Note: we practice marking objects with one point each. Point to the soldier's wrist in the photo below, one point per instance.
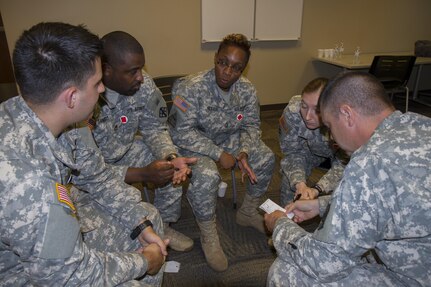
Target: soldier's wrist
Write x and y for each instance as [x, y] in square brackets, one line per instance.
[319, 189]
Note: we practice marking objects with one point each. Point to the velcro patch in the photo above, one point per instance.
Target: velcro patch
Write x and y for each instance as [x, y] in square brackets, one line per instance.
[181, 103]
[63, 196]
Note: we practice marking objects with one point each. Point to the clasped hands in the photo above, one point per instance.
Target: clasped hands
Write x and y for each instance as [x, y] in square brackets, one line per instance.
[153, 248]
[228, 161]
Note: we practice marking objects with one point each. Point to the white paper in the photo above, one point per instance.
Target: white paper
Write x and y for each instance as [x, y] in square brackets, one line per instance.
[270, 206]
[172, 267]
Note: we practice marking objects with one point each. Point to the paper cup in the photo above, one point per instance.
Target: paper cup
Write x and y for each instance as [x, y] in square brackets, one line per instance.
[222, 189]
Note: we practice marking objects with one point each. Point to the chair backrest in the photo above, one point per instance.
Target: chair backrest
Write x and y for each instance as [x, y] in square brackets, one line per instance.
[165, 83]
[392, 71]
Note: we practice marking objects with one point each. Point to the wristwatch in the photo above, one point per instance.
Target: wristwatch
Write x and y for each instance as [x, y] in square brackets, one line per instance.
[171, 156]
[319, 189]
[138, 229]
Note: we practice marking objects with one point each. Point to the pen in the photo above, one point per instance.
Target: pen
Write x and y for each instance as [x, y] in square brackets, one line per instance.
[297, 197]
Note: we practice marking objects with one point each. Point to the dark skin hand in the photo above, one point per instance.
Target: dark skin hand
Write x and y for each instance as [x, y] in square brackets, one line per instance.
[228, 161]
[158, 172]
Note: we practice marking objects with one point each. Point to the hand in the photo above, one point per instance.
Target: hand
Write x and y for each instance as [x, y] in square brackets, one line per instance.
[148, 236]
[227, 161]
[182, 169]
[305, 191]
[159, 172]
[303, 209]
[154, 256]
[271, 218]
[245, 168]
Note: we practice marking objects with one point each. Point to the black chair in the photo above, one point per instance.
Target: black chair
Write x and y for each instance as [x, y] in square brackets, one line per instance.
[394, 73]
[165, 83]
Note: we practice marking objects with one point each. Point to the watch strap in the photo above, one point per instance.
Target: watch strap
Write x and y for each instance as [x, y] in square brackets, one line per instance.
[138, 229]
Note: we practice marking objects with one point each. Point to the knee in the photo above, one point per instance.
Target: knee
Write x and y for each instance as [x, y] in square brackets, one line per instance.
[153, 215]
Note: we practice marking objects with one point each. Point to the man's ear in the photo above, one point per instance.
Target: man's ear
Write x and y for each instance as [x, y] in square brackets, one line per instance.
[215, 58]
[107, 69]
[70, 97]
[347, 115]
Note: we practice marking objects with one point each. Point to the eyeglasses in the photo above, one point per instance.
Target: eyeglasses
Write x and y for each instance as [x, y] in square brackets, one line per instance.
[224, 64]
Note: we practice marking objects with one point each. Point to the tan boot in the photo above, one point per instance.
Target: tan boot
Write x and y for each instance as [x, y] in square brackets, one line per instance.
[214, 254]
[177, 240]
[248, 215]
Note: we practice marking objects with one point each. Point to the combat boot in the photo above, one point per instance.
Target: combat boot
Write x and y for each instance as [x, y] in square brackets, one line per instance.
[214, 254]
[248, 215]
[177, 240]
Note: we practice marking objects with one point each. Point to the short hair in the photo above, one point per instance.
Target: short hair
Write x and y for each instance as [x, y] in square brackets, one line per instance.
[116, 44]
[315, 85]
[51, 56]
[238, 40]
[360, 90]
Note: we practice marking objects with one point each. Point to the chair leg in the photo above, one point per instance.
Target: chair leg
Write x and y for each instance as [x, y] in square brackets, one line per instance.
[407, 99]
[147, 197]
[232, 171]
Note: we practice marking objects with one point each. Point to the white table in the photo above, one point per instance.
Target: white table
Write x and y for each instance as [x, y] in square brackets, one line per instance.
[347, 62]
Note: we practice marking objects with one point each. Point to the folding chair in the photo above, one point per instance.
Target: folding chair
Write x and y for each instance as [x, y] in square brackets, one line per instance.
[394, 73]
[165, 83]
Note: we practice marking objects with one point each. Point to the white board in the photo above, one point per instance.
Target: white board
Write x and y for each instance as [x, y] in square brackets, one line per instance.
[278, 20]
[223, 17]
[259, 20]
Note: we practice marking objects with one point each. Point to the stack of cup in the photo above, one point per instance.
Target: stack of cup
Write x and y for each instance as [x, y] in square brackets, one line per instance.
[326, 53]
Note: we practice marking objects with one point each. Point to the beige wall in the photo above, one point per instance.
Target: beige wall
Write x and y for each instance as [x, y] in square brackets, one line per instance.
[170, 33]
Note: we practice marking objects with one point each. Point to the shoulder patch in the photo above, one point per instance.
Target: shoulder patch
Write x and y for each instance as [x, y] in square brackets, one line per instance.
[282, 123]
[181, 103]
[63, 196]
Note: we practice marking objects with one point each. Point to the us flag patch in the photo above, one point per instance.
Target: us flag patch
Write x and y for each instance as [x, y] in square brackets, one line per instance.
[63, 196]
[181, 103]
[283, 123]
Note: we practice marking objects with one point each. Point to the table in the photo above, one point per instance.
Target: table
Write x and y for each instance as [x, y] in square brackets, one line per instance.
[347, 62]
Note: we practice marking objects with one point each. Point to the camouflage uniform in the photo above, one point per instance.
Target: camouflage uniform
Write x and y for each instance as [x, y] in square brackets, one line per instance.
[303, 150]
[50, 236]
[383, 203]
[204, 125]
[119, 121]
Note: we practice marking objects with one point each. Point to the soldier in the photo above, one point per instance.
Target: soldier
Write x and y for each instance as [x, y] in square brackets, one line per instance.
[305, 145]
[215, 117]
[131, 104]
[382, 202]
[48, 238]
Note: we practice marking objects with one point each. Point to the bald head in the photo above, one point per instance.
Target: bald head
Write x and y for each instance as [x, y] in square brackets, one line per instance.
[118, 43]
[361, 91]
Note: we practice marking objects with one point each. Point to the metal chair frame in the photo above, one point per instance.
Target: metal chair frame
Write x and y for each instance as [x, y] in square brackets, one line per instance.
[393, 72]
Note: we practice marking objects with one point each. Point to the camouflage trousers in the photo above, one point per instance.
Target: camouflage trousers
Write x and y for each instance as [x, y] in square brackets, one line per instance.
[284, 272]
[202, 192]
[111, 236]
